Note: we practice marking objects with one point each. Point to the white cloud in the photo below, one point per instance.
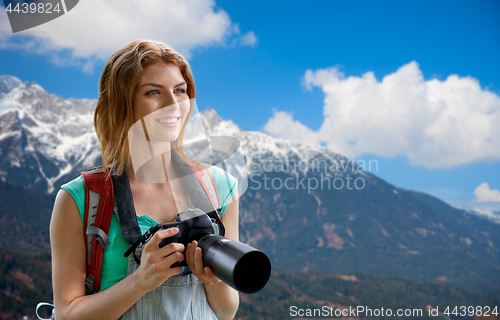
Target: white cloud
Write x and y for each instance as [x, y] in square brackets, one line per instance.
[483, 193]
[282, 124]
[249, 39]
[436, 124]
[95, 29]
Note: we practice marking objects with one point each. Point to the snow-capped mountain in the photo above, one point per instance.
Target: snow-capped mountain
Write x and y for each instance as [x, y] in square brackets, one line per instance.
[43, 137]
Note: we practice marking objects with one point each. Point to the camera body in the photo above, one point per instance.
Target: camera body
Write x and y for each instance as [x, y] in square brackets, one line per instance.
[239, 265]
[193, 224]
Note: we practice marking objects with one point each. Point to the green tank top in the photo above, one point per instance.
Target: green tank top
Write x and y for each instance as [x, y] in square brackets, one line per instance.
[114, 264]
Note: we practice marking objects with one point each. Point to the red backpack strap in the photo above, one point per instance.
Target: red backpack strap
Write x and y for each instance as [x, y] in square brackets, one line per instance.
[96, 222]
[208, 185]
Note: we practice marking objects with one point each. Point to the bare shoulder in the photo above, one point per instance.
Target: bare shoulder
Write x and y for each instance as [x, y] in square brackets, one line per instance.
[66, 226]
[65, 211]
[68, 250]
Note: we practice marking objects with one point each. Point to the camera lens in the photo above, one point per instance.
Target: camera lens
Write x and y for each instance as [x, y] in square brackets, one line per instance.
[237, 264]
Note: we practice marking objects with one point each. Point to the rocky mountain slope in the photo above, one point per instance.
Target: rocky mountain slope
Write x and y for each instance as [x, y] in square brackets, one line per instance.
[44, 139]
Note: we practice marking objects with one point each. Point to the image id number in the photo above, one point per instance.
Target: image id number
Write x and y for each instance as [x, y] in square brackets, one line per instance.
[471, 311]
[33, 7]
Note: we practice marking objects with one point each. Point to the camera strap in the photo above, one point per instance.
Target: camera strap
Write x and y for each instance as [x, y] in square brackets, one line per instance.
[142, 239]
[126, 210]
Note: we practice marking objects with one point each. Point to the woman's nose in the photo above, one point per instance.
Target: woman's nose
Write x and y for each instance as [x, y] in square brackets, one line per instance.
[171, 101]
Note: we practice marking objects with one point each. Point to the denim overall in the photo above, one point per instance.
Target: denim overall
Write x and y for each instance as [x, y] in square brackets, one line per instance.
[178, 298]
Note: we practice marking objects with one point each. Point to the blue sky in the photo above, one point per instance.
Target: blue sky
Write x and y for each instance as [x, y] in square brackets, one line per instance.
[251, 67]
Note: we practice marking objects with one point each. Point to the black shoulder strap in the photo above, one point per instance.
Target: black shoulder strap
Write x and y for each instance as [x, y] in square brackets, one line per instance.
[126, 210]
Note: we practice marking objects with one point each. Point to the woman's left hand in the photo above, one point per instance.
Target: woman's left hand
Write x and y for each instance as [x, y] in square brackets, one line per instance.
[194, 260]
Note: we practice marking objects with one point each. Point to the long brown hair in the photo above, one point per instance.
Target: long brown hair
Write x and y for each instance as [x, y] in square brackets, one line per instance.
[114, 112]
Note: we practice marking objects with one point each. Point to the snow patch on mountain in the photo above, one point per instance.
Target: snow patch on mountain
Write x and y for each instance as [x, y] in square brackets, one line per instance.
[43, 132]
[486, 210]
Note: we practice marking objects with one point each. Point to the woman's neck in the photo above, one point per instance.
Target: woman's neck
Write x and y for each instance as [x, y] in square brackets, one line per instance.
[155, 166]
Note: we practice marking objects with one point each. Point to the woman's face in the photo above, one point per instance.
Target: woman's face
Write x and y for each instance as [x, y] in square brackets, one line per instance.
[161, 100]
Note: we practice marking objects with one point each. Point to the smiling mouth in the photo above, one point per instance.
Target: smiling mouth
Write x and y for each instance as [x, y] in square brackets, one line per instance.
[169, 120]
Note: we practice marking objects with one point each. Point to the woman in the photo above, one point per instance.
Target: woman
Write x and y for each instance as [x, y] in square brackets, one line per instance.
[138, 80]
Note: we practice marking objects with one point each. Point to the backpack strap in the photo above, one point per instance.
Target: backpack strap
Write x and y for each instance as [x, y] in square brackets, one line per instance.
[96, 222]
[208, 184]
[201, 190]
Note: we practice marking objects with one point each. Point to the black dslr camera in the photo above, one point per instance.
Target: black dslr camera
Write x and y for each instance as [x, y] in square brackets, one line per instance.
[242, 267]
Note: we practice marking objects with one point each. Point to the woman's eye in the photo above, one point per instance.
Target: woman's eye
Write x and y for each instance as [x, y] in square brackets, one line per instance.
[152, 92]
[180, 91]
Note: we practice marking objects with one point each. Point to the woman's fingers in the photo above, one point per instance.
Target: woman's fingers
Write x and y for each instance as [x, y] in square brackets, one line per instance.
[156, 262]
[167, 262]
[194, 259]
[161, 259]
[212, 278]
[155, 240]
[152, 246]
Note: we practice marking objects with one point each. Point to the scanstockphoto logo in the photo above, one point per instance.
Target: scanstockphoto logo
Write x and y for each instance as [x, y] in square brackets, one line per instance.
[24, 15]
[309, 174]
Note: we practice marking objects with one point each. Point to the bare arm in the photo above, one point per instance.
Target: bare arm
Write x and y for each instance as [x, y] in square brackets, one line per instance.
[69, 268]
[223, 299]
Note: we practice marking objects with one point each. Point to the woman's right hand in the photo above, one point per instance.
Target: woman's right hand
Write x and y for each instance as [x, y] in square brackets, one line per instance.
[155, 267]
